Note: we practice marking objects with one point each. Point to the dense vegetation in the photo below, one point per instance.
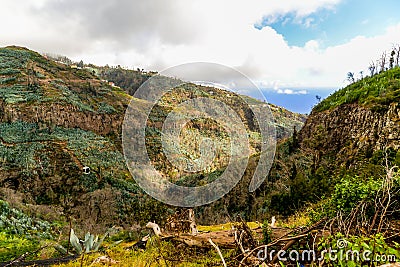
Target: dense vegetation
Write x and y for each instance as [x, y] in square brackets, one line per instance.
[20, 233]
[28, 77]
[128, 79]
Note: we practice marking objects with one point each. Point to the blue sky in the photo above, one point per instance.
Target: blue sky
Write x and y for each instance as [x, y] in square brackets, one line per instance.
[337, 25]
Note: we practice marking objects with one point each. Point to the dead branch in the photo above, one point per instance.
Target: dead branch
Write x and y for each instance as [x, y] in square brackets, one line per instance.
[291, 240]
[219, 251]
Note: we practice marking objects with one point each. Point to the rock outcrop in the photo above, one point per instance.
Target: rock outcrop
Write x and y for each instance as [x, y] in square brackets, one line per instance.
[351, 128]
[62, 115]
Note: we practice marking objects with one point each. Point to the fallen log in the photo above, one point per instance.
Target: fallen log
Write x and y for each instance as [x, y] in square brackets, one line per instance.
[224, 239]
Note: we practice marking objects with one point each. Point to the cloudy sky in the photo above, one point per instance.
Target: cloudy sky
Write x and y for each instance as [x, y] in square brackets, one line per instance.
[280, 44]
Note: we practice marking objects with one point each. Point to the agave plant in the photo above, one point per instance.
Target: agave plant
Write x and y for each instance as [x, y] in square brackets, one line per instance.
[91, 243]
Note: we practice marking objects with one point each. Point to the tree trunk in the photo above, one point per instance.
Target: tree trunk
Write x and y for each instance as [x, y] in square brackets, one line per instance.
[193, 226]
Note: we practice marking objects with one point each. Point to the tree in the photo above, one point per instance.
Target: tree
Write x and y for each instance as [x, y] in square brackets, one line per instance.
[350, 77]
[318, 97]
[391, 60]
[80, 64]
[397, 54]
[382, 62]
[372, 68]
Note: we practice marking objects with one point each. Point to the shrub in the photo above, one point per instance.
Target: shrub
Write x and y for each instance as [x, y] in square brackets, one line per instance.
[15, 222]
[12, 246]
[358, 250]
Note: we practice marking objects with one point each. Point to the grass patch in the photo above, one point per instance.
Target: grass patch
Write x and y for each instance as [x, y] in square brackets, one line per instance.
[374, 92]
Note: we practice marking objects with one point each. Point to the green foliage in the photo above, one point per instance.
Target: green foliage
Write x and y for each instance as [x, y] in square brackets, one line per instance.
[15, 222]
[32, 156]
[91, 243]
[390, 155]
[23, 69]
[106, 108]
[92, 150]
[375, 92]
[12, 246]
[350, 191]
[7, 80]
[358, 250]
[266, 232]
[17, 93]
[71, 97]
[130, 80]
[9, 71]
[302, 188]
[20, 233]
[21, 156]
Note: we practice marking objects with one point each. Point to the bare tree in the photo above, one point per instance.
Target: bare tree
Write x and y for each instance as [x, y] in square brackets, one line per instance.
[382, 62]
[397, 55]
[391, 60]
[372, 68]
[350, 77]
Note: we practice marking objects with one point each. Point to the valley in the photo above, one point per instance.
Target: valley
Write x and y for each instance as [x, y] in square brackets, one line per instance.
[334, 175]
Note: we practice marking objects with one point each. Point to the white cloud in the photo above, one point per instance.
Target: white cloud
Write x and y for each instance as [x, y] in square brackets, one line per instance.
[291, 92]
[156, 34]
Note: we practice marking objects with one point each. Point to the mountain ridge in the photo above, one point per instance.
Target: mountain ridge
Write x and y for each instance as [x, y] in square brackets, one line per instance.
[55, 119]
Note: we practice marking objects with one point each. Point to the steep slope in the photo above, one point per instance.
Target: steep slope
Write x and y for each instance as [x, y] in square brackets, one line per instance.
[131, 80]
[355, 131]
[358, 120]
[57, 119]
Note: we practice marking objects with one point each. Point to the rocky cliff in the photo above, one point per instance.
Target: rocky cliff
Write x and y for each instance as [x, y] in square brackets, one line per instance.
[350, 129]
[358, 120]
[353, 132]
[63, 115]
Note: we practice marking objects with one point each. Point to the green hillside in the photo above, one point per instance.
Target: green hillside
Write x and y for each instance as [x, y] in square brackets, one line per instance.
[376, 92]
[57, 119]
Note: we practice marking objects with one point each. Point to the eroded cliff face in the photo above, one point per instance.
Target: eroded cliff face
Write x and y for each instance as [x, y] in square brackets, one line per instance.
[62, 115]
[350, 129]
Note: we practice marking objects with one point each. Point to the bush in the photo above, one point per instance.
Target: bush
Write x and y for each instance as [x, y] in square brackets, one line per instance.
[12, 246]
[15, 222]
[358, 250]
[348, 193]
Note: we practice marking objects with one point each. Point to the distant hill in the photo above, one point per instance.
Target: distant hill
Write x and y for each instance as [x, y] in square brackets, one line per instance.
[130, 81]
[56, 119]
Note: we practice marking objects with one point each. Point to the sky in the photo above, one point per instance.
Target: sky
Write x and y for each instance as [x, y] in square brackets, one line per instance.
[287, 47]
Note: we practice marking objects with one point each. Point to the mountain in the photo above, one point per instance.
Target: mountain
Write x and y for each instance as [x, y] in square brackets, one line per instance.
[56, 120]
[359, 120]
[353, 132]
[131, 80]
